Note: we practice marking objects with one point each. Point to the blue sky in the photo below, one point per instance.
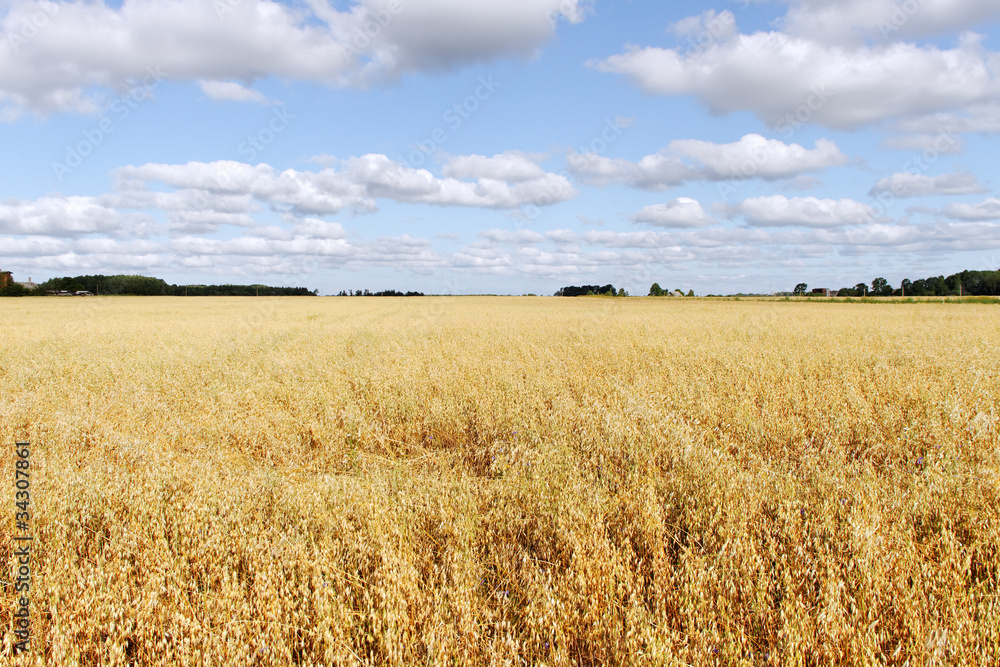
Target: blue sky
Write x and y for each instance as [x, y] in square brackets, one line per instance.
[488, 146]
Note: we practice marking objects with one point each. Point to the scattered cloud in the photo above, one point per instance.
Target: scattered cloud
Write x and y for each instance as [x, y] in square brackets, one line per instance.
[707, 27]
[520, 237]
[298, 252]
[231, 91]
[319, 229]
[788, 80]
[680, 212]
[512, 166]
[980, 118]
[859, 21]
[685, 160]
[654, 172]
[70, 217]
[755, 156]
[356, 183]
[988, 209]
[938, 144]
[781, 211]
[922, 185]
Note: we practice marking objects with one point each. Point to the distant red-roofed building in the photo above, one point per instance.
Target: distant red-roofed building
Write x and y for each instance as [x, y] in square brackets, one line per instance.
[6, 278]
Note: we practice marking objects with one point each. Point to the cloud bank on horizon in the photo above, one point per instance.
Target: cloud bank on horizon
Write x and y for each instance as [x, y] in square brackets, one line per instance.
[505, 147]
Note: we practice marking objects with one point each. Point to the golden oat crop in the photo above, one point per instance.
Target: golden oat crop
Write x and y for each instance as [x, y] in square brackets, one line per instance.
[504, 481]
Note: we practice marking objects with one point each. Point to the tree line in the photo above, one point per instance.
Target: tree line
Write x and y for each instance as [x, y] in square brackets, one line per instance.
[590, 290]
[389, 292]
[966, 283]
[122, 285]
[656, 290]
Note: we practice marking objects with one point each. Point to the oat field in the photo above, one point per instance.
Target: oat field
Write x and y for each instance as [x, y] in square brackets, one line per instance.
[504, 481]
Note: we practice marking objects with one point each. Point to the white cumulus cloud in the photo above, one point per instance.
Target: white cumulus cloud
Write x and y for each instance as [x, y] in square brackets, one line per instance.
[753, 156]
[781, 211]
[81, 51]
[70, 216]
[357, 182]
[787, 80]
[680, 212]
[652, 172]
[512, 166]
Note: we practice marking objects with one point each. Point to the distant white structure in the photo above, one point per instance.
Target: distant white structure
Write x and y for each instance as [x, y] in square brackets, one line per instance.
[28, 285]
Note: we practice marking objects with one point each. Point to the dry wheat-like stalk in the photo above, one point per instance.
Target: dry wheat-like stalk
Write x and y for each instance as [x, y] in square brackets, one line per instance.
[494, 481]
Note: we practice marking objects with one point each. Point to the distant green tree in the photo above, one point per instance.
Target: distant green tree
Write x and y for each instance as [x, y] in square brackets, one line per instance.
[861, 289]
[13, 289]
[587, 290]
[62, 284]
[938, 286]
[880, 287]
[800, 289]
[655, 290]
[690, 292]
[980, 283]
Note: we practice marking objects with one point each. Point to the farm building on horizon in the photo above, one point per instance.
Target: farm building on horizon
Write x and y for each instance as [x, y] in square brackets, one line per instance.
[7, 279]
[821, 291]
